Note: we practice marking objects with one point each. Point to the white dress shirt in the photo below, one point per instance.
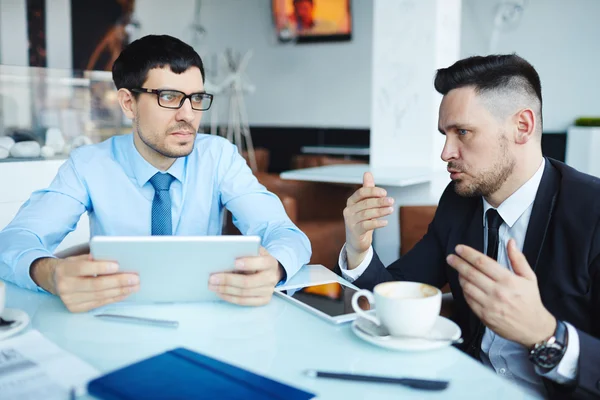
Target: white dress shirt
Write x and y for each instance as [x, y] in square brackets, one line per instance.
[508, 358]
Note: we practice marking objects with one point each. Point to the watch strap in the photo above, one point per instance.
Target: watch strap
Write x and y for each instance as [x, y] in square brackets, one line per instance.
[558, 339]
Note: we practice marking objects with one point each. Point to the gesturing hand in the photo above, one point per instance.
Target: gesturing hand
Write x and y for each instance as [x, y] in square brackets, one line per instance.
[507, 303]
[362, 215]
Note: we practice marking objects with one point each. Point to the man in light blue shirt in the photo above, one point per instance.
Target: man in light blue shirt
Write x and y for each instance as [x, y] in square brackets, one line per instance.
[163, 179]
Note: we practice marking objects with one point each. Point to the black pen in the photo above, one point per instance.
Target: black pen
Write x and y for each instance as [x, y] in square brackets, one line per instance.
[411, 382]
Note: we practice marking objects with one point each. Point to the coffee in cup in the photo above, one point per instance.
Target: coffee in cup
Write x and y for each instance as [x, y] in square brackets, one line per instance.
[404, 308]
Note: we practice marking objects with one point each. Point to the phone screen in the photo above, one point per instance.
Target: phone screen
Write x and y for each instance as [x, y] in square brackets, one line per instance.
[332, 299]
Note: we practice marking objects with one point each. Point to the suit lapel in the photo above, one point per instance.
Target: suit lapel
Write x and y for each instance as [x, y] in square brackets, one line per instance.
[541, 215]
[474, 238]
[474, 233]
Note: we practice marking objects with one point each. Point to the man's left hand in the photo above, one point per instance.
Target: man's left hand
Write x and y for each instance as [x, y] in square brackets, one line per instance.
[252, 283]
[507, 303]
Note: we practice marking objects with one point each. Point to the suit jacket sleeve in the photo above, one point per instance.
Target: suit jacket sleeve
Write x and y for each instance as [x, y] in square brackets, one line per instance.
[587, 383]
[426, 262]
[588, 377]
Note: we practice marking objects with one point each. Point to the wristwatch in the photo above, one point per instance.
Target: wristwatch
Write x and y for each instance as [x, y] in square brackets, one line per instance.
[548, 353]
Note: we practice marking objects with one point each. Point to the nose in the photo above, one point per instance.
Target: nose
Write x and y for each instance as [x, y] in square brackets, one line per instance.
[450, 150]
[185, 112]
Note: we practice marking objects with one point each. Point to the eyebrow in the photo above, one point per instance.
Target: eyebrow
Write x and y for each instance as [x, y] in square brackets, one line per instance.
[177, 90]
[455, 127]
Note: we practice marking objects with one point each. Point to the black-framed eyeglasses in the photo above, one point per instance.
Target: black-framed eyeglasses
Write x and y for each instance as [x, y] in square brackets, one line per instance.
[173, 99]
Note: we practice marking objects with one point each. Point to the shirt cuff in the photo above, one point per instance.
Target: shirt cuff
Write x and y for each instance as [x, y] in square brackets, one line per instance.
[287, 261]
[353, 274]
[23, 268]
[566, 371]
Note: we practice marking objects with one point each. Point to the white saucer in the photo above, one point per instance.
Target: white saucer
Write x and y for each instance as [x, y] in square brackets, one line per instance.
[13, 314]
[443, 327]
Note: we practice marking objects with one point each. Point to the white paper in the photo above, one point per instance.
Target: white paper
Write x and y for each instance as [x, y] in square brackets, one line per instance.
[32, 367]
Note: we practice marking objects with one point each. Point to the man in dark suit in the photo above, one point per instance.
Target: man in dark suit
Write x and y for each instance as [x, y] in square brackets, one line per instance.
[516, 235]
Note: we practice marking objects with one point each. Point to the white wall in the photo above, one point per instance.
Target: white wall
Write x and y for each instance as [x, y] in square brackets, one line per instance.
[329, 84]
[404, 136]
[560, 38]
[13, 38]
[58, 34]
[324, 85]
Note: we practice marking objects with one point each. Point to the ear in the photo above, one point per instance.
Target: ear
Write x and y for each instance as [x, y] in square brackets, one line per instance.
[526, 126]
[127, 103]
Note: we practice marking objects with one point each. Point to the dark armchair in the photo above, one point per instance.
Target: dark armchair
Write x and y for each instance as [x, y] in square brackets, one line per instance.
[316, 208]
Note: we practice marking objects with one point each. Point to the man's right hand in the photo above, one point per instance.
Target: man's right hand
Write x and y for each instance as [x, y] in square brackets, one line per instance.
[361, 216]
[82, 283]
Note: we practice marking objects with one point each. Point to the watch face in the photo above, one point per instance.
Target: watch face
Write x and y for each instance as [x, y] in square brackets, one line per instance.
[548, 356]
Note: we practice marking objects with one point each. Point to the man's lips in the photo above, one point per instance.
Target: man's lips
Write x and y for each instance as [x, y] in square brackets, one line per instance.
[454, 173]
[182, 133]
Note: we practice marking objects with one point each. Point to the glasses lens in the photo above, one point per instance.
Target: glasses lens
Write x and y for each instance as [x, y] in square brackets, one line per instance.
[201, 101]
[170, 99]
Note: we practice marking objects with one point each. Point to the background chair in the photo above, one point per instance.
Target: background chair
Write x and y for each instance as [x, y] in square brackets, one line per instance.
[414, 221]
[315, 207]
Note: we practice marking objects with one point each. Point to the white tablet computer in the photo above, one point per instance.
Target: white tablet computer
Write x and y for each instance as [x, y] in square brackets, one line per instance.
[173, 268]
[331, 301]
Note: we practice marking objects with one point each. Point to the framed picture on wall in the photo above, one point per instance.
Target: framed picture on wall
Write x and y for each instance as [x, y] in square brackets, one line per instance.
[309, 21]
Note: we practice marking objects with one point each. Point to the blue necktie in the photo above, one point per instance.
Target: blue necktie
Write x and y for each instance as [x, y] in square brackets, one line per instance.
[161, 205]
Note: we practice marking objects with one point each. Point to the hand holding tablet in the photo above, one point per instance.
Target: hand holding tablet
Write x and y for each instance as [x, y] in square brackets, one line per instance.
[82, 283]
[251, 283]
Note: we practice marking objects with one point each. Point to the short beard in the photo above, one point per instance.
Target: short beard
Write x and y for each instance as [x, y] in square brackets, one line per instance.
[163, 152]
[490, 181]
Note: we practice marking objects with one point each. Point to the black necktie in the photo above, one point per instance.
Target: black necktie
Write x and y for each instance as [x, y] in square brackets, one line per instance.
[494, 220]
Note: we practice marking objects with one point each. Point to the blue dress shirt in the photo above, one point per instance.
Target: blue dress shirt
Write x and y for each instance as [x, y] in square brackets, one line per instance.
[110, 181]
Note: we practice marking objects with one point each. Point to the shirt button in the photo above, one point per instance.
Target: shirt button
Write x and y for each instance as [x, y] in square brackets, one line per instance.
[502, 371]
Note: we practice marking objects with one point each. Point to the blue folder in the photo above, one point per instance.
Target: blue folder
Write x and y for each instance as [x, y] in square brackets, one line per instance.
[184, 374]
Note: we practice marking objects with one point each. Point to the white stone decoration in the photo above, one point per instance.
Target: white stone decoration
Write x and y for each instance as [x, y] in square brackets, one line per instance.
[6, 142]
[47, 151]
[26, 149]
[55, 140]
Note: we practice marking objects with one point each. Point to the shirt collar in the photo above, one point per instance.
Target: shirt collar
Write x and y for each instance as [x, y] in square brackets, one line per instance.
[515, 205]
[143, 170]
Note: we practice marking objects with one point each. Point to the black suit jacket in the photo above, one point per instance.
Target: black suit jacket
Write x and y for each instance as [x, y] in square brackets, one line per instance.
[562, 245]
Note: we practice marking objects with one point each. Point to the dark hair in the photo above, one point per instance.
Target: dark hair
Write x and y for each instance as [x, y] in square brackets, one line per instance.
[507, 71]
[130, 69]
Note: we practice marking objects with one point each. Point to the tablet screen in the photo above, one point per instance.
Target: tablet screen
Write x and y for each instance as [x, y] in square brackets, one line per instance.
[332, 299]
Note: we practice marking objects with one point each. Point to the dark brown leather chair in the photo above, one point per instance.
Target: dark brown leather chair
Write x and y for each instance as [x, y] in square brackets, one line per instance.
[319, 213]
[414, 221]
[315, 207]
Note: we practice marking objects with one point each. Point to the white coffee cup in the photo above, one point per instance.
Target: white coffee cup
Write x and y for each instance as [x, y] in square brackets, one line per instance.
[404, 308]
[2, 297]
